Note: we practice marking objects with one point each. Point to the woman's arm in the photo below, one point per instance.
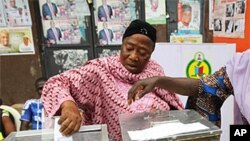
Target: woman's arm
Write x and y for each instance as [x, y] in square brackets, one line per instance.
[183, 86]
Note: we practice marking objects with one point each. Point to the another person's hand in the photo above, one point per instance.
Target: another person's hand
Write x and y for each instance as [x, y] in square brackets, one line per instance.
[141, 87]
[70, 119]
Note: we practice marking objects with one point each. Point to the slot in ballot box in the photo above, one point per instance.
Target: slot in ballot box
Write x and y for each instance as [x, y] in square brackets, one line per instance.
[175, 125]
[86, 133]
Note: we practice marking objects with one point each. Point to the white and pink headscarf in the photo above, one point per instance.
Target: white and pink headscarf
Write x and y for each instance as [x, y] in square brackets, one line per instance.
[238, 70]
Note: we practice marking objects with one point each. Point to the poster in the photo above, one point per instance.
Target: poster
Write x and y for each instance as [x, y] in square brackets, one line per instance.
[63, 9]
[64, 31]
[229, 18]
[17, 12]
[16, 41]
[155, 11]
[189, 17]
[111, 33]
[112, 18]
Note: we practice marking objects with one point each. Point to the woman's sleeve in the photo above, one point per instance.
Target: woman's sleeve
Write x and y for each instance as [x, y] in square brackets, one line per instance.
[74, 85]
[213, 91]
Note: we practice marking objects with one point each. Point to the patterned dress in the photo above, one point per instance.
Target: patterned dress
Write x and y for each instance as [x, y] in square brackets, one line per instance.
[213, 91]
[100, 88]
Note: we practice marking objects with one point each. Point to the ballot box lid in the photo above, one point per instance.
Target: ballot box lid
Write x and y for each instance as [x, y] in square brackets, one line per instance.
[167, 125]
[86, 133]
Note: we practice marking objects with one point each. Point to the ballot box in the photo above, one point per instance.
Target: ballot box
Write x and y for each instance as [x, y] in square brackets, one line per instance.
[86, 133]
[175, 125]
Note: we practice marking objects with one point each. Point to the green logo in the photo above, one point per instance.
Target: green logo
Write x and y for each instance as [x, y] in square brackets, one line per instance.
[198, 66]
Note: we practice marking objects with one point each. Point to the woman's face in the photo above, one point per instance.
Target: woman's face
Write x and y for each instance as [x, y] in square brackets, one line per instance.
[135, 52]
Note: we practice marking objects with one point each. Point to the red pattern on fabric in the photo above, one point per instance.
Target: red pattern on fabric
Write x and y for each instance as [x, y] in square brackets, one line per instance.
[94, 89]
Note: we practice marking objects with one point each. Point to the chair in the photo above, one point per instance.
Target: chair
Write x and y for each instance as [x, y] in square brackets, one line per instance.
[15, 114]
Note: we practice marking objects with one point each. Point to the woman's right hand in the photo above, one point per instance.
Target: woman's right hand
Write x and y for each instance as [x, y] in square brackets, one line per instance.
[70, 119]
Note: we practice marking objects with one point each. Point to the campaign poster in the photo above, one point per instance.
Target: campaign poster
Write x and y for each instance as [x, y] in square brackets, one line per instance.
[63, 31]
[16, 41]
[189, 13]
[155, 11]
[63, 9]
[17, 12]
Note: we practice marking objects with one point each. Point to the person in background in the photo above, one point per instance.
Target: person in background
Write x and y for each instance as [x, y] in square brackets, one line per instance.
[63, 94]
[104, 11]
[54, 34]
[49, 10]
[26, 45]
[32, 110]
[4, 41]
[208, 93]
[106, 35]
[7, 124]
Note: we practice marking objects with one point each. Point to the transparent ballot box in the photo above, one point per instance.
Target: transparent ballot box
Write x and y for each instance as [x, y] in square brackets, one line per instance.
[176, 125]
[86, 133]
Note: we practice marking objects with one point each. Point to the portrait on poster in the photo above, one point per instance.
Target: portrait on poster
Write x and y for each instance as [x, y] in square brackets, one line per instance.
[155, 11]
[115, 10]
[189, 17]
[63, 9]
[71, 31]
[110, 33]
[230, 9]
[16, 41]
[17, 12]
[60, 60]
[240, 7]
[217, 24]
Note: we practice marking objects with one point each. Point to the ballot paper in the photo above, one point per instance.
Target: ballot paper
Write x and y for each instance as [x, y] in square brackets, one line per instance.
[165, 130]
[57, 134]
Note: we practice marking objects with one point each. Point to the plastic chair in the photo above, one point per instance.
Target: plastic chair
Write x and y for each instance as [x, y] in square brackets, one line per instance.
[15, 114]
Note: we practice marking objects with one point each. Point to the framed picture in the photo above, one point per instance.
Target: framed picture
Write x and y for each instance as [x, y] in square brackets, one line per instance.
[106, 51]
[58, 60]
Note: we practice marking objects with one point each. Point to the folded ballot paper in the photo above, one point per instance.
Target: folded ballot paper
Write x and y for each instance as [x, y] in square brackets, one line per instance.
[57, 134]
[164, 130]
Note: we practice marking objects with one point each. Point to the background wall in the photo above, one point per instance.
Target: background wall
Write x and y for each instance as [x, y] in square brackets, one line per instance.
[18, 73]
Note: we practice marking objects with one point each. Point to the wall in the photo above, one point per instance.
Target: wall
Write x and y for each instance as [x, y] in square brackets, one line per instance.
[244, 43]
[18, 73]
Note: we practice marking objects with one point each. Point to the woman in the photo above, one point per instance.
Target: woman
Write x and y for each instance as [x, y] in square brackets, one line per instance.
[100, 87]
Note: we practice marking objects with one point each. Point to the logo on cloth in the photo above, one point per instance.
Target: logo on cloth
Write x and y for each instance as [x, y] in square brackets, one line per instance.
[144, 31]
[198, 66]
